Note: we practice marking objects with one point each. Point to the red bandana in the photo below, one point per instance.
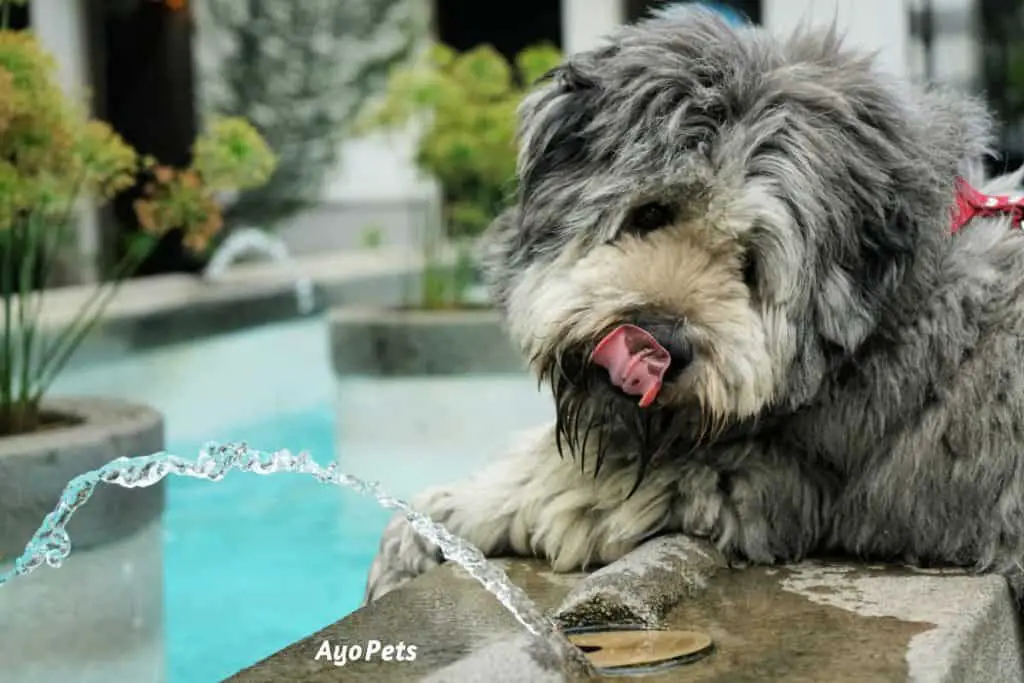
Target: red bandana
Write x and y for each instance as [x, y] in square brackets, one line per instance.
[971, 203]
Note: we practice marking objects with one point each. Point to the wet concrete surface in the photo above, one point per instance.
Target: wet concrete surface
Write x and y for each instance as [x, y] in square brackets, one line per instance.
[813, 622]
[764, 633]
[454, 624]
[643, 586]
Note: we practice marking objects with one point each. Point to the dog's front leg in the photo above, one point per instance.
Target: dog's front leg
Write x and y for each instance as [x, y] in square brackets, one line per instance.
[532, 503]
[759, 504]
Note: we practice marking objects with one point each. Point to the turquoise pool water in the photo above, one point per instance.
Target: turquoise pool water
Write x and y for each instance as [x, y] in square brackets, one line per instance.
[251, 563]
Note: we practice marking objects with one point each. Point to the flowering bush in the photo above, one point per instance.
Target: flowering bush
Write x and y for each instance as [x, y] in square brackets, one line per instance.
[468, 102]
[231, 156]
[51, 156]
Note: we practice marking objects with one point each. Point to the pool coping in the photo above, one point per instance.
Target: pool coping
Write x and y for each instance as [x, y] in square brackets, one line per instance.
[770, 624]
[388, 342]
[164, 309]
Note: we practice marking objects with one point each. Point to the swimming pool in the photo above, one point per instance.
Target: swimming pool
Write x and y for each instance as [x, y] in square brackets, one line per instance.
[251, 564]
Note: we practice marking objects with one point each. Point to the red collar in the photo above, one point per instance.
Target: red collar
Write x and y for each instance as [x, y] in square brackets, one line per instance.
[971, 203]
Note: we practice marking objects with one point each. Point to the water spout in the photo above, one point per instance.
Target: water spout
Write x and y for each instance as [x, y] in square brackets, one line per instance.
[51, 545]
[246, 241]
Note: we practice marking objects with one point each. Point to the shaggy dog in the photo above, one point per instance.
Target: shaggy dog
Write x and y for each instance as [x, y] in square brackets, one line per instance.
[731, 257]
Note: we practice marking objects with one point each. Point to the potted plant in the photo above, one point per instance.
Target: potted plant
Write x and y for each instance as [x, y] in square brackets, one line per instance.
[466, 103]
[52, 157]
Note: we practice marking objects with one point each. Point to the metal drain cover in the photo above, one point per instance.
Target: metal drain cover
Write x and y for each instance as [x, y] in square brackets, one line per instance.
[636, 650]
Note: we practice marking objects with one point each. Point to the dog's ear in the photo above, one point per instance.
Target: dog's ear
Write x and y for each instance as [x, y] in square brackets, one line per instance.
[552, 124]
[904, 157]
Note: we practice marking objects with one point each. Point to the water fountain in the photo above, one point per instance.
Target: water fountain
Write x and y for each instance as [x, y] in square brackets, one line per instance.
[51, 545]
[245, 241]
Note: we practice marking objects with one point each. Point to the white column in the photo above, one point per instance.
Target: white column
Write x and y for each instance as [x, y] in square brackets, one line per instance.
[880, 25]
[586, 22]
[957, 45]
[60, 26]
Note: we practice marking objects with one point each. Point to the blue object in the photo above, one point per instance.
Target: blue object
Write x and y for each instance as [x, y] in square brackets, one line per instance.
[251, 563]
[730, 14]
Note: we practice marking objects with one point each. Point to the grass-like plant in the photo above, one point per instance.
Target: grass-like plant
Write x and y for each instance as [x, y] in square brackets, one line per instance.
[53, 158]
[467, 103]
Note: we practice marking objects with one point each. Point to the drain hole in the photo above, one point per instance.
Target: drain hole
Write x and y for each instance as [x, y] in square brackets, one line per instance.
[589, 648]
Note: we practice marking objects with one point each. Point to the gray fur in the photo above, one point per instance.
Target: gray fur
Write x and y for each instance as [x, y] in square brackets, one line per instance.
[863, 393]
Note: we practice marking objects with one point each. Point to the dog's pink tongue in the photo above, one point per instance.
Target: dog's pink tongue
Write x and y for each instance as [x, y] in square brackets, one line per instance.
[635, 361]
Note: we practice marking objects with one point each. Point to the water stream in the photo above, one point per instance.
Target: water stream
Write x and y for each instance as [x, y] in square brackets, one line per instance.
[51, 545]
[254, 241]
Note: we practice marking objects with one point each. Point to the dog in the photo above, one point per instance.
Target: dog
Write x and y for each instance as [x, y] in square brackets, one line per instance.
[731, 258]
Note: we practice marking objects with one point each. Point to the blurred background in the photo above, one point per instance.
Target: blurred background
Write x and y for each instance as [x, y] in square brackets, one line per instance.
[155, 73]
[321, 295]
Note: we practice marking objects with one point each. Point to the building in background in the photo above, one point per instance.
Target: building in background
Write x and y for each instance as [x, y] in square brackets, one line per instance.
[972, 45]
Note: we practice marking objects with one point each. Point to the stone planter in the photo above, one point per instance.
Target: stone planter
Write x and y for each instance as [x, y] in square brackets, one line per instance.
[35, 468]
[104, 606]
[393, 342]
[429, 395]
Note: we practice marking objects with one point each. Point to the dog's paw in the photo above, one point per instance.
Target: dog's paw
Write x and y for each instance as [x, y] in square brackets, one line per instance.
[404, 554]
[727, 519]
[710, 515]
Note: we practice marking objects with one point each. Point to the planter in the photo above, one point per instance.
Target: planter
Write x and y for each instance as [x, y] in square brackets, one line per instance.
[104, 606]
[429, 395]
[393, 342]
[35, 468]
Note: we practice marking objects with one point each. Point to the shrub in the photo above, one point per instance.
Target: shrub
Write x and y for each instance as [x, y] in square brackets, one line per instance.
[51, 157]
[467, 102]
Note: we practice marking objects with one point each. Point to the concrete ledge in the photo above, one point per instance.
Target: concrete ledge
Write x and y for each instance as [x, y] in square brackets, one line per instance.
[390, 342]
[446, 615]
[35, 468]
[642, 587]
[806, 623]
[165, 309]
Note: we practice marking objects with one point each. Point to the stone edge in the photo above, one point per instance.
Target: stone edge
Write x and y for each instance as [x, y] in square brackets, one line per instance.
[978, 644]
[385, 341]
[36, 468]
[231, 307]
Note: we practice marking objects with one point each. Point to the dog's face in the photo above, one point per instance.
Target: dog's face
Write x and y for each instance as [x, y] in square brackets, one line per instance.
[753, 205]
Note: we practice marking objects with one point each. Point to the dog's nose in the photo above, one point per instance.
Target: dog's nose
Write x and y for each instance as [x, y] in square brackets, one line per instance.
[670, 334]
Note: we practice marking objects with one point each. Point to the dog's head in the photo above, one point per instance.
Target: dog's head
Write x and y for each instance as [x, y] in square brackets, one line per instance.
[748, 208]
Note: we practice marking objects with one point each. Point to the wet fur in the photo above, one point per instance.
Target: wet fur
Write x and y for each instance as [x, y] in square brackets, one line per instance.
[857, 382]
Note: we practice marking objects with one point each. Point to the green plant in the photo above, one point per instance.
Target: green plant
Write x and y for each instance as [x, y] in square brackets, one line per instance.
[371, 237]
[51, 156]
[467, 103]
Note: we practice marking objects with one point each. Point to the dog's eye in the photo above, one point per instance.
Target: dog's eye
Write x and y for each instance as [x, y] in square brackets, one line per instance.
[749, 270]
[648, 217]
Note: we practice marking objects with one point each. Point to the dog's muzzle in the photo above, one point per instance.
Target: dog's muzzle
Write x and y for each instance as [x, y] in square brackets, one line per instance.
[639, 358]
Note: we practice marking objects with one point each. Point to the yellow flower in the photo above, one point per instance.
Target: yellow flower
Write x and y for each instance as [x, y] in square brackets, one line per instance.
[232, 155]
[467, 102]
[107, 163]
[12, 195]
[51, 154]
[146, 214]
[179, 199]
[8, 107]
[23, 56]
